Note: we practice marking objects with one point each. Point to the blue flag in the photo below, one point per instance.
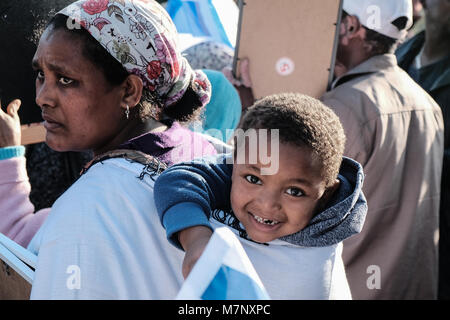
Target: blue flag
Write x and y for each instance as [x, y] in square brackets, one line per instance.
[215, 20]
[223, 272]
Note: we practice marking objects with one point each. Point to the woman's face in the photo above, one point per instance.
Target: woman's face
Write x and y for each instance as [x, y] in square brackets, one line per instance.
[81, 109]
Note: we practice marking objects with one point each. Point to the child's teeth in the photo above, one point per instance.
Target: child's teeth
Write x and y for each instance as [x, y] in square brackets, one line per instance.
[265, 221]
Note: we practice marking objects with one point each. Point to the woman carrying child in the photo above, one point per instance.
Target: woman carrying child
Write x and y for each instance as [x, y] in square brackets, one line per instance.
[109, 79]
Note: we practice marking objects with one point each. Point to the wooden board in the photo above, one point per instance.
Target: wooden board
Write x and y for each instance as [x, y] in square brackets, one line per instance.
[12, 285]
[290, 44]
[33, 133]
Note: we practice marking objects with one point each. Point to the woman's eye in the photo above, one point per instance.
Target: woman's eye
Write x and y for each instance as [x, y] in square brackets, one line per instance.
[65, 81]
[295, 192]
[253, 179]
[40, 75]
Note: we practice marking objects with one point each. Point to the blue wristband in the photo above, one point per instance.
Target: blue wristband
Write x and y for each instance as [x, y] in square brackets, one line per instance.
[12, 152]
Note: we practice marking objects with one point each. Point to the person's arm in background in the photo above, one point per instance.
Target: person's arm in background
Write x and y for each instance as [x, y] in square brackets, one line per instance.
[17, 218]
[185, 195]
[242, 85]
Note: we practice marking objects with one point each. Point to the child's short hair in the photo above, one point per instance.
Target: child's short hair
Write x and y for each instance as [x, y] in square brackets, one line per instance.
[302, 121]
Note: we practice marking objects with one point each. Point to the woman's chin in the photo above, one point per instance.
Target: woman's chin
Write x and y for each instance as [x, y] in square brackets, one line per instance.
[57, 149]
[57, 146]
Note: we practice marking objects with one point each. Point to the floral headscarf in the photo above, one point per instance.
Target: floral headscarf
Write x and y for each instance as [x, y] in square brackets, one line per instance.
[143, 38]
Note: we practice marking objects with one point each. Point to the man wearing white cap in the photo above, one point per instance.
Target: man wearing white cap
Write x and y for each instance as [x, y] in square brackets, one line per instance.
[395, 130]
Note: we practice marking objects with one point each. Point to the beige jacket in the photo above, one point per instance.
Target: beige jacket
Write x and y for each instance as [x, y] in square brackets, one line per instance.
[395, 130]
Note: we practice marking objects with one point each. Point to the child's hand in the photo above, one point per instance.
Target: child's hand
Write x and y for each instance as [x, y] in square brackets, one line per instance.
[194, 241]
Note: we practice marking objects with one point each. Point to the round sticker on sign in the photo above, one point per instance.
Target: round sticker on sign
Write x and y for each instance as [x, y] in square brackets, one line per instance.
[285, 66]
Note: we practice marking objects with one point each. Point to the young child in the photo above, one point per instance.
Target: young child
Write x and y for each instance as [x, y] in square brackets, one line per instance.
[291, 222]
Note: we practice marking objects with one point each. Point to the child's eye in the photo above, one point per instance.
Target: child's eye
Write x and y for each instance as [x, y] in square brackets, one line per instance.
[253, 179]
[65, 81]
[295, 192]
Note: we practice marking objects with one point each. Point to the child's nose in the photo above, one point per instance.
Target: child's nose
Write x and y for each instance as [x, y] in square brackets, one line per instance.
[269, 201]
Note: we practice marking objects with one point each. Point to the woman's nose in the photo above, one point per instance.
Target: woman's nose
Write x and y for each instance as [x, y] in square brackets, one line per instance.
[45, 95]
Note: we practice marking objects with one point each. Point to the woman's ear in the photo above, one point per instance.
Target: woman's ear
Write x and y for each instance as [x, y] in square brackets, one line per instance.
[132, 87]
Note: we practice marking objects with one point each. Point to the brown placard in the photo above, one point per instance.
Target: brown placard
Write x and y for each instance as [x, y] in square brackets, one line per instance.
[12, 285]
[33, 133]
[290, 44]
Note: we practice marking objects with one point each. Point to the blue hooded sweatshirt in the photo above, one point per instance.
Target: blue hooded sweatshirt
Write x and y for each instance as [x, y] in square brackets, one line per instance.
[187, 193]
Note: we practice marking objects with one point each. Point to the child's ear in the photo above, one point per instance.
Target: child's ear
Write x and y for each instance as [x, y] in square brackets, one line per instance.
[327, 195]
[330, 191]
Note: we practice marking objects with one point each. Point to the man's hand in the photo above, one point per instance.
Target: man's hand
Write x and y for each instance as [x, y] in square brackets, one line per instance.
[10, 131]
[194, 241]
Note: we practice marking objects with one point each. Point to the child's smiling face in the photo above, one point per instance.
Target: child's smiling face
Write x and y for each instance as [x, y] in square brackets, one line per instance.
[272, 206]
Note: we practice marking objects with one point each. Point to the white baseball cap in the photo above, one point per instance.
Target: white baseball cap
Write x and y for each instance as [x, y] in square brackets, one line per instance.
[378, 15]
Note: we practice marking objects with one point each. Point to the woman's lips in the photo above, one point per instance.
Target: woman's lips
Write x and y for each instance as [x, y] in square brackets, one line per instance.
[50, 124]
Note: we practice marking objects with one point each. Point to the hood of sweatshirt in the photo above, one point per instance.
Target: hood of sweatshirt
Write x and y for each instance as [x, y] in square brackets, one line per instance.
[206, 185]
[344, 215]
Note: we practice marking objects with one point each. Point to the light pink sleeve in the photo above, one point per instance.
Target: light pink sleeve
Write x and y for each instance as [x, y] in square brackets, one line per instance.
[17, 218]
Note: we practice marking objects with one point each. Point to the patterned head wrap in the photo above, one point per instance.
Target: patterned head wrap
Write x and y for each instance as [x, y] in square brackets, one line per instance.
[143, 38]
